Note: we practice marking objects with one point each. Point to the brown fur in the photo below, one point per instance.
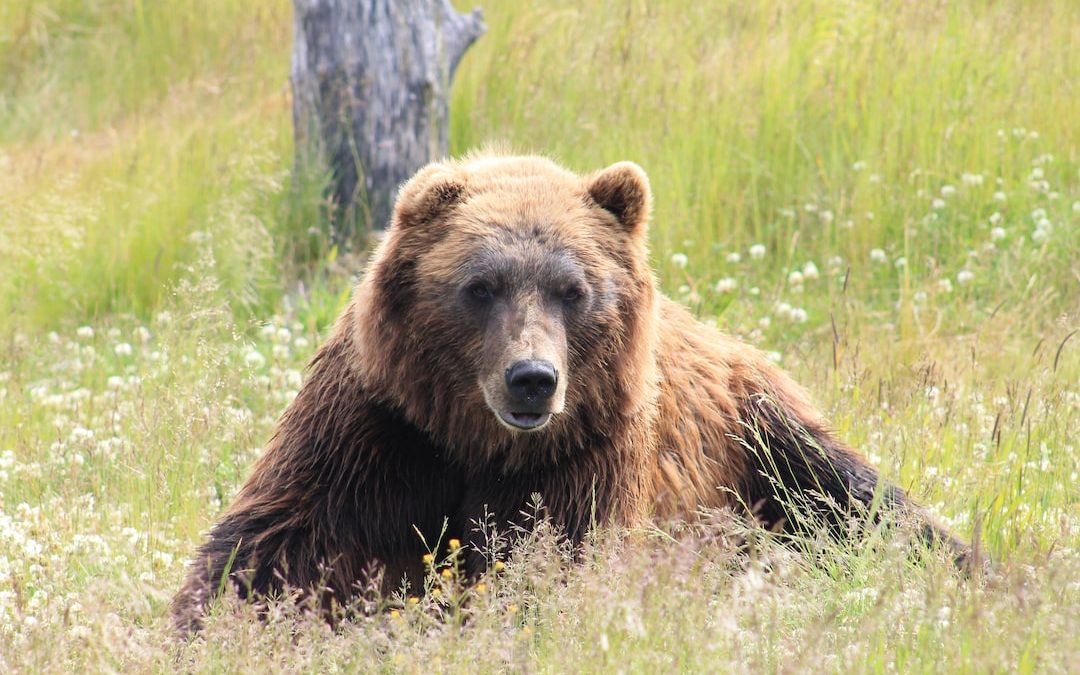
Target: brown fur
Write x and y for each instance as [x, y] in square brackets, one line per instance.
[658, 415]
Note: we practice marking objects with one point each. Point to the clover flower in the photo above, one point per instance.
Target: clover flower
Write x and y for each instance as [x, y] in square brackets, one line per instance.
[726, 285]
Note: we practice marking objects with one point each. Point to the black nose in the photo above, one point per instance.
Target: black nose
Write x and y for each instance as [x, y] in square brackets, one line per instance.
[531, 381]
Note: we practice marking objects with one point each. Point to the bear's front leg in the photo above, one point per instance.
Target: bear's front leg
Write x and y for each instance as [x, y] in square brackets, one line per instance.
[802, 477]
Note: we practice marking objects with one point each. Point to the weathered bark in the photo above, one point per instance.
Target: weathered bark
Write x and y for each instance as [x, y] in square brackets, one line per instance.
[370, 81]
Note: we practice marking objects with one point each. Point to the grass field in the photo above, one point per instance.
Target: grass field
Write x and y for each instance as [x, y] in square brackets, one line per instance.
[884, 195]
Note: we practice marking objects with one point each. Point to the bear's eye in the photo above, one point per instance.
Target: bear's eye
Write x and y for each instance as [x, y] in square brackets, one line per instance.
[479, 290]
[573, 294]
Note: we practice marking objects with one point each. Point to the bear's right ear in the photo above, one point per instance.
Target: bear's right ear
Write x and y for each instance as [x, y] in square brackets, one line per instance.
[622, 190]
[432, 191]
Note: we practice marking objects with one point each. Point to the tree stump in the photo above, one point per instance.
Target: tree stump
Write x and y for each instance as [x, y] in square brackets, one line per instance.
[370, 82]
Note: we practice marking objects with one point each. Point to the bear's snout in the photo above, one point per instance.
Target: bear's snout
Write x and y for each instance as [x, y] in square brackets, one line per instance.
[531, 387]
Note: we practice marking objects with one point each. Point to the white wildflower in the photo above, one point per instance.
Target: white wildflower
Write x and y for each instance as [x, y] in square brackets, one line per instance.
[795, 278]
[938, 203]
[964, 276]
[878, 255]
[679, 260]
[947, 190]
[726, 285]
[945, 286]
[255, 359]
[123, 349]
[757, 251]
[78, 632]
[997, 234]
[85, 333]
[81, 433]
[810, 271]
[734, 257]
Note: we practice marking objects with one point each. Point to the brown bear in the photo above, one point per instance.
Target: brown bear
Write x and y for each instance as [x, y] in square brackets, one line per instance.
[508, 338]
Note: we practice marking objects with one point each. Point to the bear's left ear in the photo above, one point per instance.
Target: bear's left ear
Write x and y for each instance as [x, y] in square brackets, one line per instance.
[622, 189]
[433, 190]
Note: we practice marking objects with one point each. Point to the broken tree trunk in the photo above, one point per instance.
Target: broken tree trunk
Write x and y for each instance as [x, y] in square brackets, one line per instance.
[370, 81]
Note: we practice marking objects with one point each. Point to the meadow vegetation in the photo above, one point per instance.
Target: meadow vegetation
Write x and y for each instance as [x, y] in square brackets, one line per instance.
[884, 196]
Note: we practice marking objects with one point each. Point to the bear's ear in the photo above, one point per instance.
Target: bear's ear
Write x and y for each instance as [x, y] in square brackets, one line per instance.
[622, 189]
[431, 192]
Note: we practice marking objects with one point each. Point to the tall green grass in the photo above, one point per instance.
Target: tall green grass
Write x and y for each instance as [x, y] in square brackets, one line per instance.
[885, 195]
[746, 115]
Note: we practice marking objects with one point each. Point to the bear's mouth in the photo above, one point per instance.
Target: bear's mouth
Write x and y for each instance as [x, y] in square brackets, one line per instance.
[524, 421]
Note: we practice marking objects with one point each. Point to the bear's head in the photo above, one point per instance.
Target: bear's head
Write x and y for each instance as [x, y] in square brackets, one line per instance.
[510, 310]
